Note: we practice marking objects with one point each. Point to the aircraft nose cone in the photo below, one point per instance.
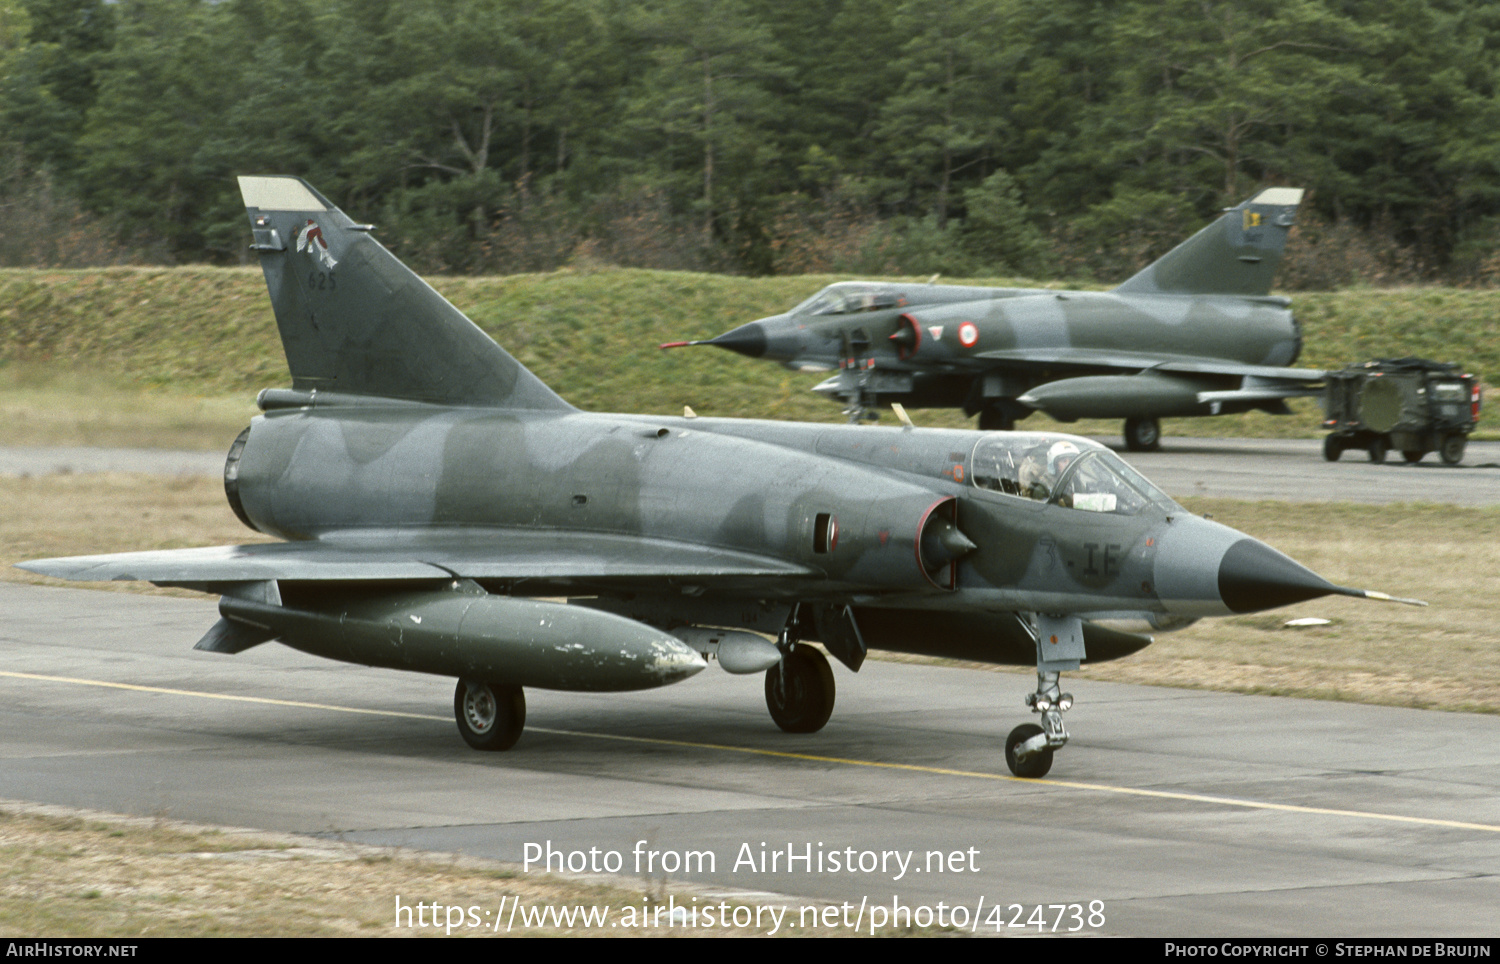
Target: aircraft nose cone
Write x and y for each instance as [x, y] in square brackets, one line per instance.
[1206, 569]
[1253, 577]
[748, 339]
[777, 338]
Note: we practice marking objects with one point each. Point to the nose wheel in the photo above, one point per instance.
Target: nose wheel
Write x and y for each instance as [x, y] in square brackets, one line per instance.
[1027, 753]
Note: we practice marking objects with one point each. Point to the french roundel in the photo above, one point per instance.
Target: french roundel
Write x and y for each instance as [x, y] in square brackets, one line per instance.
[968, 334]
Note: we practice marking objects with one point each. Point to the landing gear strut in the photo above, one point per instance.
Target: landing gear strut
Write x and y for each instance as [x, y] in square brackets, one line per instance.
[996, 420]
[854, 378]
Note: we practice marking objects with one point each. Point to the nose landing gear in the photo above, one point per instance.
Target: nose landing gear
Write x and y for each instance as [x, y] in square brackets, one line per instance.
[1029, 748]
[1059, 646]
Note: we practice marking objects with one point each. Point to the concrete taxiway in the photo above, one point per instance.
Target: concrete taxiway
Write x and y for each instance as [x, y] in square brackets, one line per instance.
[1181, 813]
[1294, 470]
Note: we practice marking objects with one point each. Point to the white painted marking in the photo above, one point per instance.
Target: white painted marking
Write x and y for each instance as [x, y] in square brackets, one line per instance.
[278, 194]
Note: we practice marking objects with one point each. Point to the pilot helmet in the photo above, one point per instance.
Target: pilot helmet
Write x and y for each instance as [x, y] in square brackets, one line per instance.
[1058, 452]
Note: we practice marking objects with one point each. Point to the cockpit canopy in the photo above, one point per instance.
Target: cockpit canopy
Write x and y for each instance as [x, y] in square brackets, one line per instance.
[852, 297]
[1063, 470]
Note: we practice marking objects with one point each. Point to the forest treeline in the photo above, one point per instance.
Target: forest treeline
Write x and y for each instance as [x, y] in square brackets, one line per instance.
[1044, 138]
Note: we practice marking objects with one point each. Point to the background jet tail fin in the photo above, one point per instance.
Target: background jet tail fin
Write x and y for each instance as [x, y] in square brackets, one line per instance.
[1236, 255]
[355, 320]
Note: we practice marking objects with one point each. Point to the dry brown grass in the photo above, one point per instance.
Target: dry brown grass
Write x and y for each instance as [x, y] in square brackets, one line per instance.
[77, 874]
[45, 407]
[69, 515]
[1446, 656]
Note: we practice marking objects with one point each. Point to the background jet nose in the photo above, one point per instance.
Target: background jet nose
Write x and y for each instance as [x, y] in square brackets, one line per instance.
[748, 339]
[777, 338]
[1253, 576]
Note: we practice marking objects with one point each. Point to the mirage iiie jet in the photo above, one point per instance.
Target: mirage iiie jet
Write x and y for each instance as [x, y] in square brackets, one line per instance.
[1196, 333]
[437, 499]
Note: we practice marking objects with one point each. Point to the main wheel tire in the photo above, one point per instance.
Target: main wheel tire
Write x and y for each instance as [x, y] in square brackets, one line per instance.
[1142, 434]
[1412, 456]
[1452, 449]
[1333, 447]
[1377, 450]
[1036, 765]
[799, 691]
[490, 716]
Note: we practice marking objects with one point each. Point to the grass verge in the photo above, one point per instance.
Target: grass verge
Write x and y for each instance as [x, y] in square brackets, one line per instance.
[77, 874]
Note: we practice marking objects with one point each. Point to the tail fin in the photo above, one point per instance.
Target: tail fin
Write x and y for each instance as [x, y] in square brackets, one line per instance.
[1236, 255]
[355, 320]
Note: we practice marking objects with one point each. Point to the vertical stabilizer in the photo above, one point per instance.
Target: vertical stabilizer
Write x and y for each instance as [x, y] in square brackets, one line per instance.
[1236, 255]
[355, 320]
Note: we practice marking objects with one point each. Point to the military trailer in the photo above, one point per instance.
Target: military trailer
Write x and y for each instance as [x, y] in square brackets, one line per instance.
[1412, 405]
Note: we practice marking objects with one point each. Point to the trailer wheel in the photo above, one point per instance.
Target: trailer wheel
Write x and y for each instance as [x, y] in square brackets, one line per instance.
[1452, 449]
[1333, 447]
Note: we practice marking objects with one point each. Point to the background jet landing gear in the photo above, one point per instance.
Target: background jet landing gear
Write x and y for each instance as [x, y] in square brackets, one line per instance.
[1001, 415]
[490, 716]
[854, 378]
[799, 690]
[1142, 434]
[857, 404]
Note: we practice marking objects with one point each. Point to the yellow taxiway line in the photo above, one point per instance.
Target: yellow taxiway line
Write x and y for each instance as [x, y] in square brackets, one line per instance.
[808, 757]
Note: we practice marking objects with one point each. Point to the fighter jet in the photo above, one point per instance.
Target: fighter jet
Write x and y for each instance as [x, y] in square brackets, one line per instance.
[443, 511]
[1195, 333]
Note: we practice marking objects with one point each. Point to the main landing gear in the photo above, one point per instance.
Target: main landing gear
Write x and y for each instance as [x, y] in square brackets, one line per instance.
[490, 715]
[1142, 434]
[1001, 415]
[799, 690]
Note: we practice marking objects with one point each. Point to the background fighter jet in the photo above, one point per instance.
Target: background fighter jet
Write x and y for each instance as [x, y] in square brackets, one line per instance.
[1196, 333]
[436, 499]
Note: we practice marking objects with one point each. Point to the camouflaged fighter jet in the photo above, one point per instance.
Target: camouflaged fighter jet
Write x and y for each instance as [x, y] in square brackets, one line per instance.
[1196, 333]
[436, 500]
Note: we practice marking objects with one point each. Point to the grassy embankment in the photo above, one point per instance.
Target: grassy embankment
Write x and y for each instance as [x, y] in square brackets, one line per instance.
[174, 357]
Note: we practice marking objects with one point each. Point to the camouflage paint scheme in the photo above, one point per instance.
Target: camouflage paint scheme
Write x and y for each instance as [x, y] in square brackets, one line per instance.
[436, 499]
[1196, 333]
